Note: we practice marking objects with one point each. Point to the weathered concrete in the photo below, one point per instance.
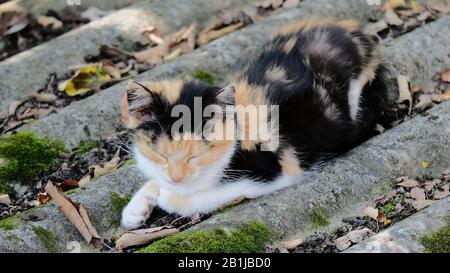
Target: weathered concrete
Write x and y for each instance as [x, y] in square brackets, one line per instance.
[42, 6]
[96, 198]
[26, 72]
[99, 115]
[360, 175]
[404, 236]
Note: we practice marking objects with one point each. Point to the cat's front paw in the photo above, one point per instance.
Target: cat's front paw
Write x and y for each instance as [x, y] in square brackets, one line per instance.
[135, 214]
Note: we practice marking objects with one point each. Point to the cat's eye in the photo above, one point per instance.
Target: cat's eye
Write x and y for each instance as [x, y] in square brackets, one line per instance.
[162, 155]
[191, 158]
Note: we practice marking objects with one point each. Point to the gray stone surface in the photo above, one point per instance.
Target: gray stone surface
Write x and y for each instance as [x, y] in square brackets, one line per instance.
[404, 236]
[96, 198]
[99, 115]
[38, 7]
[26, 72]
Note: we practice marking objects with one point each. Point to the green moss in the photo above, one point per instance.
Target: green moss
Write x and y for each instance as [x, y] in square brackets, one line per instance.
[318, 219]
[202, 75]
[24, 155]
[10, 223]
[387, 209]
[407, 138]
[47, 238]
[72, 191]
[129, 163]
[86, 147]
[118, 203]
[4, 188]
[439, 241]
[13, 238]
[251, 237]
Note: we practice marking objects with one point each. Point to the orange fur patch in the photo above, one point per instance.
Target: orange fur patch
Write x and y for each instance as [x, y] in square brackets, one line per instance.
[289, 45]
[170, 89]
[349, 25]
[183, 155]
[289, 163]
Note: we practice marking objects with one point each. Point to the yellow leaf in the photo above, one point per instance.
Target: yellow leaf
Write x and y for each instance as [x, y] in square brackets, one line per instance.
[86, 79]
[387, 222]
[425, 164]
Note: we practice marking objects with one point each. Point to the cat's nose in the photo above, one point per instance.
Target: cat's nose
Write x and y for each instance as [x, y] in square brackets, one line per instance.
[176, 177]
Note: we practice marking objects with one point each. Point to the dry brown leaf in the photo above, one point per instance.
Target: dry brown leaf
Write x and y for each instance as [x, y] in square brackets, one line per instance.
[42, 112]
[49, 21]
[84, 181]
[13, 21]
[44, 97]
[68, 185]
[354, 236]
[392, 18]
[442, 6]
[209, 34]
[429, 186]
[423, 16]
[394, 4]
[4, 199]
[442, 194]
[153, 35]
[76, 214]
[292, 244]
[110, 68]
[43, 198]
[29, 113]
[410, 183]
[441, 97]
[403, 87]
[420, 204]
[153, 55]
[418, 194]
[178, 43]
[375, 214]
[108, 167]
[13, 106]
[445, 76]
[143, 236]
[274, 4]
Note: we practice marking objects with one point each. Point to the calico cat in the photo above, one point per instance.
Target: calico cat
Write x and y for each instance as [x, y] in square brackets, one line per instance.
[325, 78]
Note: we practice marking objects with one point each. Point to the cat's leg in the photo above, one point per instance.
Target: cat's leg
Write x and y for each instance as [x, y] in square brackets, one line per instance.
[212, 199]
[141, 206]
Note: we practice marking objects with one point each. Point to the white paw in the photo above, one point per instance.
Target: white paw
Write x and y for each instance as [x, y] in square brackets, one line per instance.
[135, 214]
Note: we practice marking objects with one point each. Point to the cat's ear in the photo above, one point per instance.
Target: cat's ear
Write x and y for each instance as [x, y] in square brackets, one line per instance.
[227, 95]
[136, 103]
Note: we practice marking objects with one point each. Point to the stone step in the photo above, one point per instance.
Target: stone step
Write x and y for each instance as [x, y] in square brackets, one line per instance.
[27, 72]
[361, 174]
[42, 6]
[404, 236]
[99, 115]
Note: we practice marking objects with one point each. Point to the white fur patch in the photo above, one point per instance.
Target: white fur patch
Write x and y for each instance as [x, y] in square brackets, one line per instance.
[209, 200]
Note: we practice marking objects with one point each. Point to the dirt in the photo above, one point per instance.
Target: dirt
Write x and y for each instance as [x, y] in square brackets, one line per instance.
[34, 33]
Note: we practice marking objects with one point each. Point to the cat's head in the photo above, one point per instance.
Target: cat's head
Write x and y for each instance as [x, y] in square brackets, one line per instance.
[173, 121]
